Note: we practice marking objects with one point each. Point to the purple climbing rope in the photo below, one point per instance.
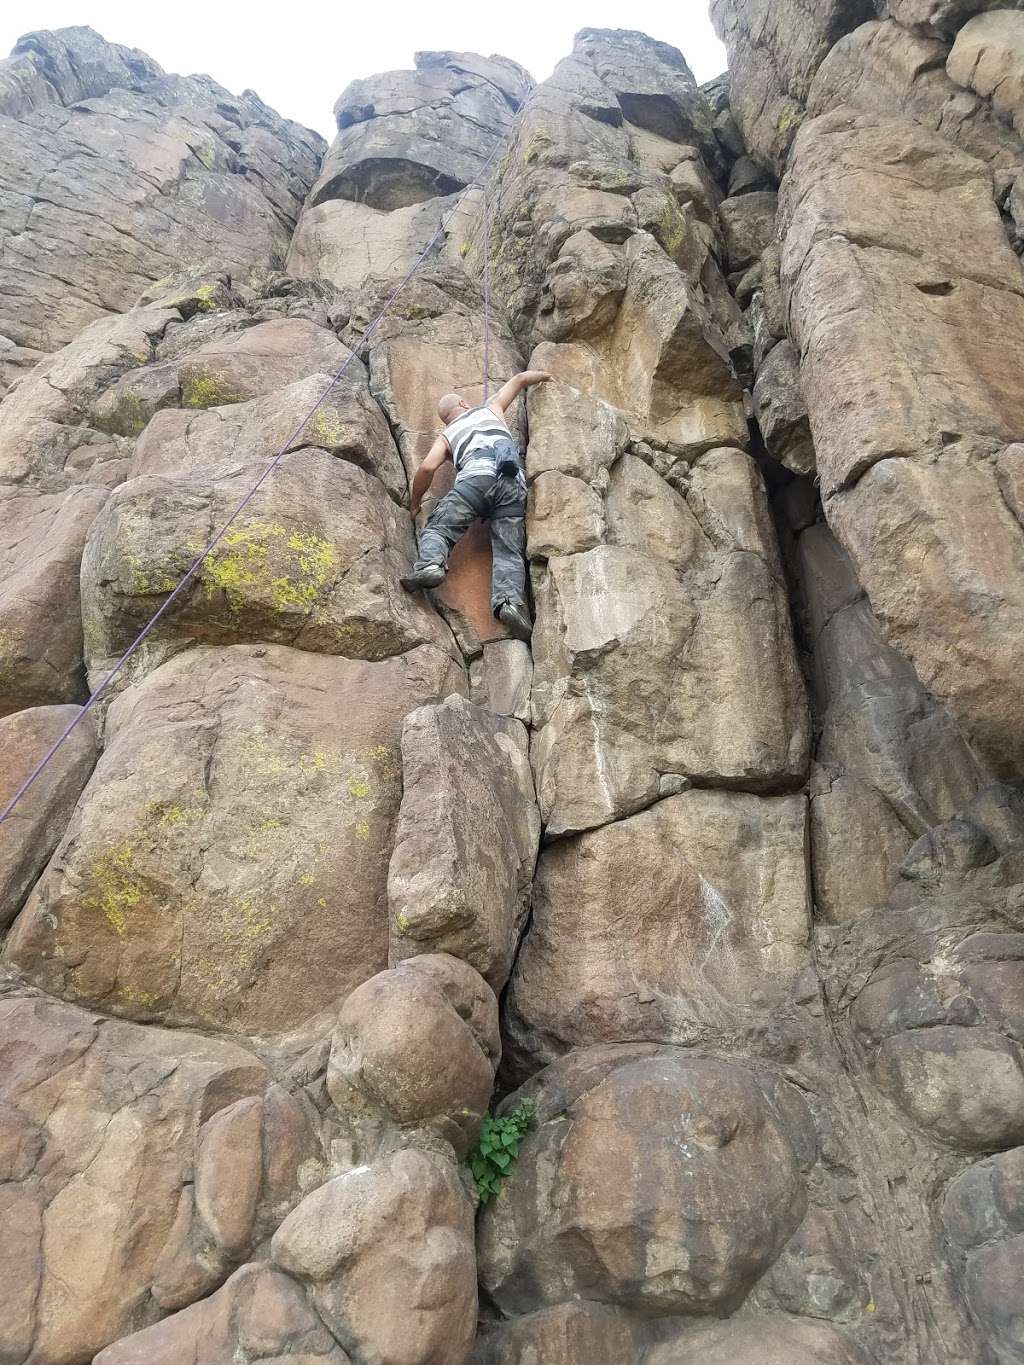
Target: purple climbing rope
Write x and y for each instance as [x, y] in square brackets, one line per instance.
[487, 294]
[215, 541]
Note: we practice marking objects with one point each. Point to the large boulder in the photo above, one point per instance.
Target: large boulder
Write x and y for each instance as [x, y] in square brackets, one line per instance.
[387, 1252]
[988, 56]
[466, 843]
[570, 1333]
[31, 832]
[111, 183]
[651, 1179]
[671, 921]
[109, 1144]
[417, 1047]
[227, 863]
[314, 562]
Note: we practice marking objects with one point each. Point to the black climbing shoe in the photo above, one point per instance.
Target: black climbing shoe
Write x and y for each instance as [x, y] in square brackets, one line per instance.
[516, 620]
[427, 577]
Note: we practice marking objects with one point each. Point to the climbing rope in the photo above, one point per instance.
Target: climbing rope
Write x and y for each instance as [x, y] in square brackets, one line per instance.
[215, 541]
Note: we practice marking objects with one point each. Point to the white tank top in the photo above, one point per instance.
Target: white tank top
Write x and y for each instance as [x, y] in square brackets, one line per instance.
[471, 439]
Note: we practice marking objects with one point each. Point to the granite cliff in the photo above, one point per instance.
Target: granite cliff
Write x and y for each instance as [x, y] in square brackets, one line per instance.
[725, 874]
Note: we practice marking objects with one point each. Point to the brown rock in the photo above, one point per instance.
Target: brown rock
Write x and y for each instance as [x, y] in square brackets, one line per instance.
[748, 226]
[259, 1314]
[182, 442]
[32, 831]
[564, 517]
[419, 1044]
[651, 1179]
[466, 843]
[244, 798]
[102, 1118]
[932, 266]
[988, 57]
[760, 1341]
[113, 180]
[670, 921]
[314, 562]
[571, 1334]
[781, 411]
[886, 69]
[257, 361]
[672, 599]
[41, 541]
[387, 1250]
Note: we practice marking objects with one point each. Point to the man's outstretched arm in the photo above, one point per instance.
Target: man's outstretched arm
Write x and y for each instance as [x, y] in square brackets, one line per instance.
[424, 476]
[510, 391]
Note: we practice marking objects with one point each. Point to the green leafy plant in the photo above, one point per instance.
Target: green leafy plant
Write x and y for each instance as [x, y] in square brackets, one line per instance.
[497, 1147]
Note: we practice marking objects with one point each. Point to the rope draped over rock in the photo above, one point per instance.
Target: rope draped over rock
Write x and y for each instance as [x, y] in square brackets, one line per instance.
[212, 544]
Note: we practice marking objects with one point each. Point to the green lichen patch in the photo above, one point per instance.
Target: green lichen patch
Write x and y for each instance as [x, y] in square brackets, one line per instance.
[262, 560]
[116, 886]
[199, 390]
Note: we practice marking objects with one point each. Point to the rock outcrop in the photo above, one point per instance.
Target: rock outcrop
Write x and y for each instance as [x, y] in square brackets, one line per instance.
[700, 918]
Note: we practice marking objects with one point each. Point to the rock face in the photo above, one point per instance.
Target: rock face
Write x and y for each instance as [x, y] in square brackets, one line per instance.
[700, 916]
[82, 120]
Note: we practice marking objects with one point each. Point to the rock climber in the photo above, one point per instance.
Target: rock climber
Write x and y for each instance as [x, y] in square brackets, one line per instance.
[489, 483]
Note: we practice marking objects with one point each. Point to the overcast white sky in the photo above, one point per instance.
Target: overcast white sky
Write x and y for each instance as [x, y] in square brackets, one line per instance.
[299, 55]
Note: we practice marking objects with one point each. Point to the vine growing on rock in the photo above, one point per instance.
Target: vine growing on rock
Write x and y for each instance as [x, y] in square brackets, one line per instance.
[497, 1147]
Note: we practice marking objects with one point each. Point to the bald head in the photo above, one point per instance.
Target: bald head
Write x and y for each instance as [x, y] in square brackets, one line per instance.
[450, 406]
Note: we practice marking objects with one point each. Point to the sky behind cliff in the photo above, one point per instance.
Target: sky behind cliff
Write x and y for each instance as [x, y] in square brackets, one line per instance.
[299, 57]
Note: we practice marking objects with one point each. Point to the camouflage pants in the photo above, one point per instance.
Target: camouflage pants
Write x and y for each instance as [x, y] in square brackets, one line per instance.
[500, 501]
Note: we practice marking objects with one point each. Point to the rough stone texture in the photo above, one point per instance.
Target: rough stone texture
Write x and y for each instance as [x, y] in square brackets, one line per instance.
[109, 183]
[652, 1180]
[775, 47]
[884, 68]
[313, 562]
[984, 1217]
[243, 811]
[106, 1126]
[466, 843]
[633, 636]
[760, 1341]
[407, 142]
[748, 225]
[259, 1315]
[34, 828]
[988, 57]
[41, 541]
[571, 1333]
[418, 1045]
[905, 434]
[781, 411]
[651, 926]
[387, 1251]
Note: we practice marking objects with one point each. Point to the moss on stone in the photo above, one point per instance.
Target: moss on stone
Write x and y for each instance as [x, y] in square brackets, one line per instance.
[117, 888]
[206, 391]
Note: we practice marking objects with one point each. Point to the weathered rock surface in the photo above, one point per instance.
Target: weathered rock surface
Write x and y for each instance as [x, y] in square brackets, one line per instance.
[634, 635]
[244, 808]
[653, 1180]
[417, 1047]
[34, 828]
[113, 173]
[387, 1252]
[908, 437]
[466, 844]
[988, 57]
[407, 141]
[655, 925]
[260, 1314]
[115, 1176]
[41, 541]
